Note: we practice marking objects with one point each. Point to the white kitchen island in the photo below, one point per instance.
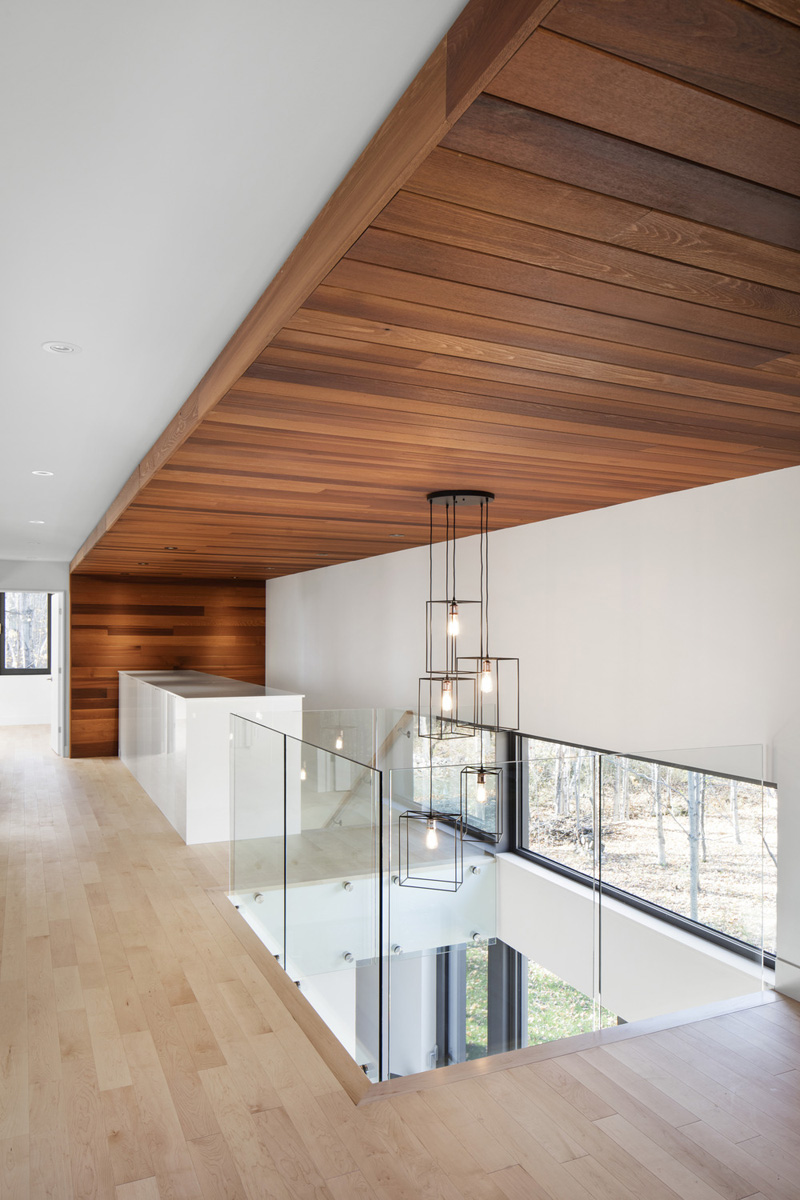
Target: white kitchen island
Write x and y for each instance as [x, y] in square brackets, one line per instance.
[174, 738]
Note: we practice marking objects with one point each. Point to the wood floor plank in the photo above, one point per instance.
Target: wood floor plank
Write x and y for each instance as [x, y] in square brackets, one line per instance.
[254, 1161]
[653, 1114]
[109, 1052]
[674, 1174]
[140, 1189]
[13, 1060]
[162, 1133]
[215, 1168]
[191, 1105]
[736, 1155]
[352, 1186]
[130, 1159]
[15, 1168]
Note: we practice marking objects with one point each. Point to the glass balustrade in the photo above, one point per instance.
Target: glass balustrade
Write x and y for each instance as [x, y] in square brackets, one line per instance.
[440, 902]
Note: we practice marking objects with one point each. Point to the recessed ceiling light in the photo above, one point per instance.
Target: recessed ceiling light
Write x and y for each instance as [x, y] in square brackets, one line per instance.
[170, 547]
[41, 472]
[144, 564]
[61, 348]
[397, 535]
[36, 522]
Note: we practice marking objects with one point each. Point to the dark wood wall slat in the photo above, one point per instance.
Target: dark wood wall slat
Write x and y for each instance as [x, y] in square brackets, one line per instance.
[464, 265]
[486, 233]
[506, 192]
[643, 106]
[111, 630]
[722, 47]
[544, 144]
[475, 369]
[453, 322]
[356, 276]
[787, 10]
[296, 367]
[460, 348]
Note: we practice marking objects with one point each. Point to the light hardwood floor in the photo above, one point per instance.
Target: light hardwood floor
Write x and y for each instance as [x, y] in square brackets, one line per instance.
[145, 1053]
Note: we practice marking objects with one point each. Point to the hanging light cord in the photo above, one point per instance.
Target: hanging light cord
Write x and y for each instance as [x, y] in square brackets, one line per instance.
[485, 519]
[455, 502]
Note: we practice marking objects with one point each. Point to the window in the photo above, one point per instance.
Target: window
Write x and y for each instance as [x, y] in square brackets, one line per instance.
[25, 625]
[693, 847]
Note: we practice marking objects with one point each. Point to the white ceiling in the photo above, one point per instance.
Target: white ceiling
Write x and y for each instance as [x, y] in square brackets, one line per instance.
[159, 161]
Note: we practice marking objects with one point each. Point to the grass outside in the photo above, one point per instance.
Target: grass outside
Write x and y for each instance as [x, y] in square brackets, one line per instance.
[555, 1008]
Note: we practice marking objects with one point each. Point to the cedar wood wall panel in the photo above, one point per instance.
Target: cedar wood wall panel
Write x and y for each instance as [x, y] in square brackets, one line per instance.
[119, 624]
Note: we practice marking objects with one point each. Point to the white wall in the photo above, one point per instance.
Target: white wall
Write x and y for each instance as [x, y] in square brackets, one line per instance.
[646, 968]
[668, 622]
[23, 575]
[25, 700]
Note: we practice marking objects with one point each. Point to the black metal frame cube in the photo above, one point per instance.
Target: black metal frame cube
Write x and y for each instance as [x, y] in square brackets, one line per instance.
[502, 703]
[438, 641]
[458, 723]
[409, 875]
[472, 807]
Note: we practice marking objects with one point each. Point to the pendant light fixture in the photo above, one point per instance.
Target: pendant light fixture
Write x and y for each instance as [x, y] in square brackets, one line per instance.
[466, 691]
[465, 685]
[448, 692]
[431, 845]
[482, 799]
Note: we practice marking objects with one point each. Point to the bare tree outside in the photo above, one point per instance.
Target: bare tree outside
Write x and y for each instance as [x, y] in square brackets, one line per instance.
[26, 631]
[699, 844]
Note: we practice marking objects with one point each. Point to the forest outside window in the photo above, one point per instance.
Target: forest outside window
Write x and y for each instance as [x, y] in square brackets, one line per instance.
[697, 846]
[25, 625]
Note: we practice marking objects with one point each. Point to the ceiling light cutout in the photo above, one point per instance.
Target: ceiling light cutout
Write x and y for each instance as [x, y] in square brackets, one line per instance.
[62, 348]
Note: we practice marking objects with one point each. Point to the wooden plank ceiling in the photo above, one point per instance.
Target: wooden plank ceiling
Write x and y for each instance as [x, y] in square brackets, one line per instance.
[585, 294]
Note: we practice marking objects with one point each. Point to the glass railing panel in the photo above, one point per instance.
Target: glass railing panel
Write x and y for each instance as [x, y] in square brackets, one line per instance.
[257, 829]
[442, 913]
[770, 869]
[558, 804]
[332, 892]
[687, 840]
[692, 843]
[371, 736]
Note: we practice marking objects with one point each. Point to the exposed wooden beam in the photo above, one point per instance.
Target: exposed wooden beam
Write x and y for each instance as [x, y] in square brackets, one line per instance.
[480, 42]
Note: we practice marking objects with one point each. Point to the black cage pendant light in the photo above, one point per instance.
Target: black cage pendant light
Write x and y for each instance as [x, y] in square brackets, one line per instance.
[465, 685]
[448, 692]
[431, 845]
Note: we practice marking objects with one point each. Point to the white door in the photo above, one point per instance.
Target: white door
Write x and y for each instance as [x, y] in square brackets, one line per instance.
[58, 673]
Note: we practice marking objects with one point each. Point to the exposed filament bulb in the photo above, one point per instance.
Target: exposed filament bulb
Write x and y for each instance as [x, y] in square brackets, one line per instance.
[480, 794]
[339, 739]
[453, 625]
[432, 837]
[303, 772]
[447, 695]
[487, 684]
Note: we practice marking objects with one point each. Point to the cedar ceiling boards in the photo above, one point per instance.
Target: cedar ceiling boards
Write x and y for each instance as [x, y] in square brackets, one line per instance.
[585, 292]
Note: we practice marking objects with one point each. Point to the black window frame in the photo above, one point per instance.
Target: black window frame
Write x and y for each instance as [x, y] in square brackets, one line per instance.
[706, 932]
[15, 672]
